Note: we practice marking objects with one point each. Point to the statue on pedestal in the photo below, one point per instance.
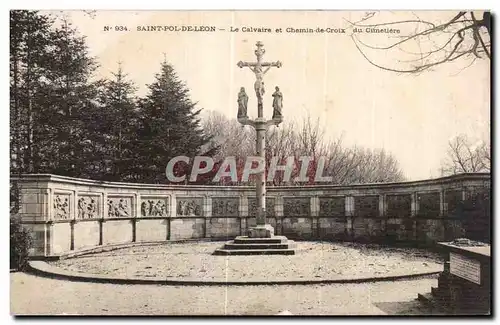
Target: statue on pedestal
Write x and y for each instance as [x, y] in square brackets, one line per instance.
[277, 103]
[242, 103]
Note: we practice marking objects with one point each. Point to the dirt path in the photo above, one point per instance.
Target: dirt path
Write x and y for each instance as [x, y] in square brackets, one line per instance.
[42, 296]
[313, 261]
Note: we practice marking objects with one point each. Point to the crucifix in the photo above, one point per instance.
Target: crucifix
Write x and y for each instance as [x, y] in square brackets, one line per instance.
[256, 68]
[260, 124]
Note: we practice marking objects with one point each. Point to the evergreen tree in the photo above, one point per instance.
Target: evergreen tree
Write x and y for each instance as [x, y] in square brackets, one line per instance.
[70, 97]
[64, 122]
[51, 95]
[112, 133]
[169, 127]
[29, 40]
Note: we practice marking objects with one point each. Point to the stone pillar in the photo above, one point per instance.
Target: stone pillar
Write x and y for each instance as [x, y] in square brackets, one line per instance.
[261, 183]
[72, 234]
[207, 214]
[381, 205]
[173, 208]
[105, 213]
[243, 212]
[262, 229]
[349, 213]
[74, 218]
[279, 210]
[464, 194]
[314, 216]
[414, 204]
[382, 212]
[442, 204]
[136, 213]
[173, 214]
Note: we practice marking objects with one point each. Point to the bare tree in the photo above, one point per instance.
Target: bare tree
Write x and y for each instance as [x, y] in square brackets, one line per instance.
[233, 139]
[426, 44]
[345, 165]
[466, 156]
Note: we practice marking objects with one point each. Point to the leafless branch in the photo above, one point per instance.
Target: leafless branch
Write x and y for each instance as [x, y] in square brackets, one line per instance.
[465, 39]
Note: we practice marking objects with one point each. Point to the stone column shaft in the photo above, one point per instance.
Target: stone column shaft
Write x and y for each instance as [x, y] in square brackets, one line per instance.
[261, 182]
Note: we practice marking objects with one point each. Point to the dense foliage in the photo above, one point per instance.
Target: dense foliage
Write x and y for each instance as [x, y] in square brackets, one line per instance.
[65, 121]
[20, 243]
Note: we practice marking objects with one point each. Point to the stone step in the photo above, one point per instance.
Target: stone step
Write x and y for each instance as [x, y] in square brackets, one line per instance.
[440, 295]
[427, 299]
[433, 302]
[232, 245]
[254, 252]
[272, 240]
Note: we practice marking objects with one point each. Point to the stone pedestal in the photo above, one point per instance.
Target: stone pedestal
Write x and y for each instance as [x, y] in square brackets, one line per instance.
[260, 241]
[261, 231]
[464, 287]
[244, 245]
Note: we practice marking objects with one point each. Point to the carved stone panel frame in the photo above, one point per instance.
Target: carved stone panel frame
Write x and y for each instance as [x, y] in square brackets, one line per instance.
[190, 206]
[62, 205]
[120, 205]
[297, 206]
[155, 206]
[424, 203]
[226, 206]
[89, 206]
[332, 206]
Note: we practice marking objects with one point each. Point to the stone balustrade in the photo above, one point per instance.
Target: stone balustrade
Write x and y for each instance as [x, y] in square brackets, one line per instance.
[68, 214]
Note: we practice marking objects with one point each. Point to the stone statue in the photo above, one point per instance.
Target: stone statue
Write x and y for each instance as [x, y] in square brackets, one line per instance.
[81, 208]
[259, 82]
[277, 103]
[122, 208]
[182, 208]
[111, 209]
[242, 103]
[91, 209]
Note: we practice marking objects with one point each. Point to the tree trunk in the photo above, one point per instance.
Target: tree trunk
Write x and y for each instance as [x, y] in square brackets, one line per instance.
[29, 126]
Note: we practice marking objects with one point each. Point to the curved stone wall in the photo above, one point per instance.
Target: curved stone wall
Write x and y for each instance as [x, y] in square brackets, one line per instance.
[67, 214]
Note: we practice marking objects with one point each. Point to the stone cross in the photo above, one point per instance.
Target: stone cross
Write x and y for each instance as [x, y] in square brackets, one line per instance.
[261, 125]
[256, 68]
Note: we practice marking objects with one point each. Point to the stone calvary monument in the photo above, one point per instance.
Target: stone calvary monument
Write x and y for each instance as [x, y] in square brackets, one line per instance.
[261, 238]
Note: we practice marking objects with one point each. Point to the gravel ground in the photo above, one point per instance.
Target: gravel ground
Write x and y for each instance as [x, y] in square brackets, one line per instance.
[313, 261]
[33, 295]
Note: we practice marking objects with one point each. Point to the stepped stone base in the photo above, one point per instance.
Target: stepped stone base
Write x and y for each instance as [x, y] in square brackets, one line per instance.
[261, 231]
[245, 245]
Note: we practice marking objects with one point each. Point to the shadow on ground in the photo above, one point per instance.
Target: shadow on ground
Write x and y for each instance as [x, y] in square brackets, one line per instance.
[413, 307]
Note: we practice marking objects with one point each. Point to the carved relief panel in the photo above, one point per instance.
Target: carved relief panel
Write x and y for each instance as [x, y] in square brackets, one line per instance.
[429, 204]
[399, 205]
[225, 207]
[332, 206]
[88, 207]
[190, 206]
[120, 207]
[62, 206]
[252, 206]
[296, 207]
[366, 206]
[154, 207]
[453, 199]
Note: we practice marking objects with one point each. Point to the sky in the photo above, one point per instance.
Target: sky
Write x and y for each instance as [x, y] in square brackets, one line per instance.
[323, 75]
